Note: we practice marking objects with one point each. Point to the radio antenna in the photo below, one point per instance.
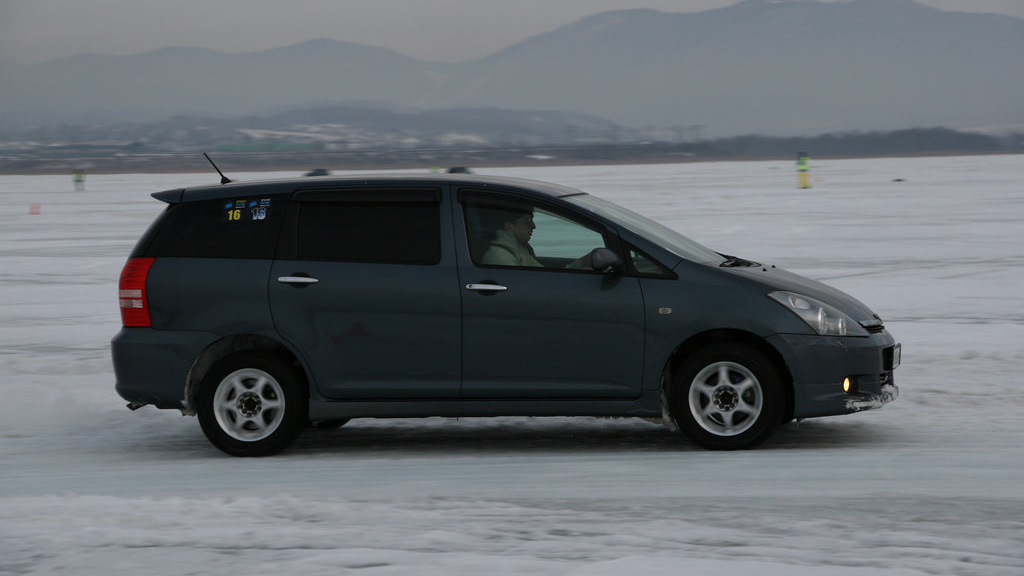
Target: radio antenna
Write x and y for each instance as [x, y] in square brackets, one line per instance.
[223, 179]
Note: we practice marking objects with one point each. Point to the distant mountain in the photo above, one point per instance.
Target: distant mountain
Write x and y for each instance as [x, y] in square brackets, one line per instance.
[770, 67]
[760, 66]
[174, 81]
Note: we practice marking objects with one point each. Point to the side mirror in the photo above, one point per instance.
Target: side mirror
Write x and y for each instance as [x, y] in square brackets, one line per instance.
[605, 261]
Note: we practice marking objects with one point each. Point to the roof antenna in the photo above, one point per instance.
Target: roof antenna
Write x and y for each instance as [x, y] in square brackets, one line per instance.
[223, 179]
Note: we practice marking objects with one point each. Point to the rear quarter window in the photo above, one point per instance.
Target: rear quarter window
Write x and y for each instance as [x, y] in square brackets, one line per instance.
[369, 231]
[242, 227]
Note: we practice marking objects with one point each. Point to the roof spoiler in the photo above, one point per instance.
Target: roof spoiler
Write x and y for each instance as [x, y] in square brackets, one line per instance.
[175, 196]
[170, 196]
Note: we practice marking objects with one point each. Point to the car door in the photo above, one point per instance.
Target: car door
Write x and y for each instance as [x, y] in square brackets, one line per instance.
[365, 289]
[548, 326]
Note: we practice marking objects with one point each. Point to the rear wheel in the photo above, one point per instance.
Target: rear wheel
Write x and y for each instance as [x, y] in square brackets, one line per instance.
[251, 405]
[727, 396]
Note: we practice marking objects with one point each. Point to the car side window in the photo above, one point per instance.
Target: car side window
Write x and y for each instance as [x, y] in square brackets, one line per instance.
[528, 236]
[369, 231]
[646, 266]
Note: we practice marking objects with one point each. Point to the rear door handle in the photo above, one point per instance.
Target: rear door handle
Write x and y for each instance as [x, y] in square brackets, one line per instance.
[297, 280]
[486, 287]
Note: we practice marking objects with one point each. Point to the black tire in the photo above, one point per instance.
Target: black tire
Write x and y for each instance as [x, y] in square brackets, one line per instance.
[252, 405]
[727, 396]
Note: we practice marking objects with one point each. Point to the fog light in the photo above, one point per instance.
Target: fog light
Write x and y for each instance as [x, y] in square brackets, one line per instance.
[847, 385]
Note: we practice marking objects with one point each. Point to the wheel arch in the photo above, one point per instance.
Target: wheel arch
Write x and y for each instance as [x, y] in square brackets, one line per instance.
[720, 335]
[229, 345]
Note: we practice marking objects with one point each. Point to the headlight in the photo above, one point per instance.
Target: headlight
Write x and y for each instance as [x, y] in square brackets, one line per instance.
[824, 319]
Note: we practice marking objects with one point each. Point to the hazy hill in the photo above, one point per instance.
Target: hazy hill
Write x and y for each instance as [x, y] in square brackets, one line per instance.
[174, 81]
[759, 66]
[792, 67]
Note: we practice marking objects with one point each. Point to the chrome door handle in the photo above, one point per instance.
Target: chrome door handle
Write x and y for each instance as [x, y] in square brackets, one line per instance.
[486, 287]
[297, 280]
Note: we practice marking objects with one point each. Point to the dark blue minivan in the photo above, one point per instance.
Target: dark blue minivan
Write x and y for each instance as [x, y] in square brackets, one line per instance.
[265, 307]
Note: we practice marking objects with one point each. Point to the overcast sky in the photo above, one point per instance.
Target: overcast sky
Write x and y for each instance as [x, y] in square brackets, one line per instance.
[451, 30]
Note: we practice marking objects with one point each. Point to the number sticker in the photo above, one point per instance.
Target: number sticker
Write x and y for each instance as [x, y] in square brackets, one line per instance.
[253, 209]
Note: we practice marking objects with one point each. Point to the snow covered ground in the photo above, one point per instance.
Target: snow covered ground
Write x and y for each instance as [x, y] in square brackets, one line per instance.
[932, 484]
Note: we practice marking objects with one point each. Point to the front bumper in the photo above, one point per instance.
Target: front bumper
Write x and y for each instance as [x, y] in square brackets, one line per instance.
[859, 402]
[820, 364]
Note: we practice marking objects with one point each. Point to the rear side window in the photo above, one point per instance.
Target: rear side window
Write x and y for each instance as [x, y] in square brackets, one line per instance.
[243, 227]
[380, 227]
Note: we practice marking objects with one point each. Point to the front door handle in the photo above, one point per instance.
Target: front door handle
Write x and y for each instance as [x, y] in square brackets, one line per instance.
[297, 280]
[486, 287]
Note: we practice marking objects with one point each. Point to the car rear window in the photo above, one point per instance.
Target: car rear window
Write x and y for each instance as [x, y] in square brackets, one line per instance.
[243, 227]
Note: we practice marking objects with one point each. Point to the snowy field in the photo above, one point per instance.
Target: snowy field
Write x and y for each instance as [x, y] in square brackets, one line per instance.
[931, 484]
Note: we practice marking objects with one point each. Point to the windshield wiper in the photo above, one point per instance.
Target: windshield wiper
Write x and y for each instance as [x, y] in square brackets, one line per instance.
[737, 262]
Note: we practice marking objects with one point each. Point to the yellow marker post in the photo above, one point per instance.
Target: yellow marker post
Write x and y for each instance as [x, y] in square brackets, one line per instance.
[803, 169]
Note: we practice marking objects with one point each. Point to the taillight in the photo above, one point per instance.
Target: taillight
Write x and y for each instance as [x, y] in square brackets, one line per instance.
[132, 292]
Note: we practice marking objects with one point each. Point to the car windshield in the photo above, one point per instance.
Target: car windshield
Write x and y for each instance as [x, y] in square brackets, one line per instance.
[664, 236]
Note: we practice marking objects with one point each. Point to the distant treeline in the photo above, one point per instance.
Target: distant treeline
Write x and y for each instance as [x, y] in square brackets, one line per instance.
[135, 155]
[899, 142]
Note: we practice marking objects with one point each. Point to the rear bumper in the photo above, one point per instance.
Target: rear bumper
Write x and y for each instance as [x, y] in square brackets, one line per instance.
[152, 366]
[820, 364]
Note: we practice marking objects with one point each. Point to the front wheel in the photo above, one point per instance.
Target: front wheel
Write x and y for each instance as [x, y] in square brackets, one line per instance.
[251, 405]
[727, 397]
